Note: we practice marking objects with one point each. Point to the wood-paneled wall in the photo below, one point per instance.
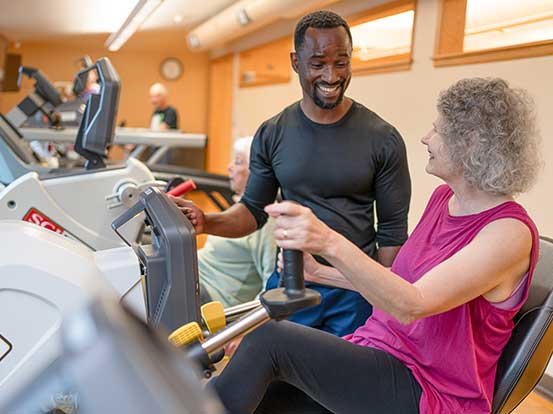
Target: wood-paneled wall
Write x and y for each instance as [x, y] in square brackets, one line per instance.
[219, 131]
[266, 64]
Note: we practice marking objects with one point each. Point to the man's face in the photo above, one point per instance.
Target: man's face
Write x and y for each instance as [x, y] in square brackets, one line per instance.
[157, 100]
[324, 66]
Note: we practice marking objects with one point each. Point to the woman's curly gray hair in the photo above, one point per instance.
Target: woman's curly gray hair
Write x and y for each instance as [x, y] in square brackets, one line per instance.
[490, 133]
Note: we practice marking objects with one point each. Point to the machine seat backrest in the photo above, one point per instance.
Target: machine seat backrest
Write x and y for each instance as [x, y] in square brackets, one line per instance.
[527, 353]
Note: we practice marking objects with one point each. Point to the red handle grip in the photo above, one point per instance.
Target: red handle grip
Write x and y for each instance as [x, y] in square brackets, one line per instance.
[182, 188]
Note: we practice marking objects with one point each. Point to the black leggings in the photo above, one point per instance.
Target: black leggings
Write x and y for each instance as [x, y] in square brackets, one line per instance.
[287, 368]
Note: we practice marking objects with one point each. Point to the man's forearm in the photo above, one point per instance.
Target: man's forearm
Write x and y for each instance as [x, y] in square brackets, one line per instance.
[387, 254]
[237, 221]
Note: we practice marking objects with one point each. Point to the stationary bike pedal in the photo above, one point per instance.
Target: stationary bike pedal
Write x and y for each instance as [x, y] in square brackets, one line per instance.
[213, 316]
[186, 334]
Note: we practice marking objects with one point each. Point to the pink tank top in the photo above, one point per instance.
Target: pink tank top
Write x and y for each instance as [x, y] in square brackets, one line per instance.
[452, 355]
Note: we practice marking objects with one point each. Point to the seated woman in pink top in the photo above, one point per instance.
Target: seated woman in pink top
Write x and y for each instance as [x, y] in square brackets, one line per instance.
[443, 312]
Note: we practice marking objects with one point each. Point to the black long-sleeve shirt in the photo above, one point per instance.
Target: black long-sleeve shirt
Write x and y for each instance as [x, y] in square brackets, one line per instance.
[337, 170]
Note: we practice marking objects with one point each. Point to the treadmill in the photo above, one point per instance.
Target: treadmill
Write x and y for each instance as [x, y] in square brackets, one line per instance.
[94, 136]
[17, 157]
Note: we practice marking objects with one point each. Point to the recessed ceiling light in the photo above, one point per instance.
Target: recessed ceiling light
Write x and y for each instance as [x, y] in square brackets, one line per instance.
[178, 18]
[243, 17]
[193, 41]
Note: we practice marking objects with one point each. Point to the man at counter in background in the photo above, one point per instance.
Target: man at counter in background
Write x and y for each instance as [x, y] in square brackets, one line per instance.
[164, 116]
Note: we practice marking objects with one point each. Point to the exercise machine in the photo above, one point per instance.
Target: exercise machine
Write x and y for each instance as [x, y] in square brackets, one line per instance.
[47, 104]
[81, 203]
[215, 186]
[276, 304]
[58, 275]
[109, 362]
[44, 98]
[46, 107]
[112, 363]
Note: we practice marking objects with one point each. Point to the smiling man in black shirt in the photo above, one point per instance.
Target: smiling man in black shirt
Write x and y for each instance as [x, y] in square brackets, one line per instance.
[330, 154]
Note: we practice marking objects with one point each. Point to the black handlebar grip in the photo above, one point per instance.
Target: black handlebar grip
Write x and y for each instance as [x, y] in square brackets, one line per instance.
[292, 274]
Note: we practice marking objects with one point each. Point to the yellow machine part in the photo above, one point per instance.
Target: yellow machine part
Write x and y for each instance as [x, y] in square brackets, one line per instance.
[186, 334]
[213, 315]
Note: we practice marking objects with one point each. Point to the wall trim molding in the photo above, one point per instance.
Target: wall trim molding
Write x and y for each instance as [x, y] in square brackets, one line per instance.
[523, 51]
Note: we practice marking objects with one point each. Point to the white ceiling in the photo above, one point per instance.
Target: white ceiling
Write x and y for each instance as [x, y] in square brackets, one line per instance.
[35, 19]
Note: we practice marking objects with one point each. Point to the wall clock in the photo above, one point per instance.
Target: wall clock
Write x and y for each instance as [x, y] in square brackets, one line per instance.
[171, 68]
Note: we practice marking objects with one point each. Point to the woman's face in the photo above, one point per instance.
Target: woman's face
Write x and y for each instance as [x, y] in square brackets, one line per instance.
[439, 161]
[238, 172]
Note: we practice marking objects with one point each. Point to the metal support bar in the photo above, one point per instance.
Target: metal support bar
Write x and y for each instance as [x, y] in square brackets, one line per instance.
[158, 154]
[236, 311]
[248, 323]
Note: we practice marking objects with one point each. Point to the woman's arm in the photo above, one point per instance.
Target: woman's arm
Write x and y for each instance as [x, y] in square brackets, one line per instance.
[491, 265]
[319, 273]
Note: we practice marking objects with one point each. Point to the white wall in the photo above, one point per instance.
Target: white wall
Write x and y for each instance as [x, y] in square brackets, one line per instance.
[407, 100]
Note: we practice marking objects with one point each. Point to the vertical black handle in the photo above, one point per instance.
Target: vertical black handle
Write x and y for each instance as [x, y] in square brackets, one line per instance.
[292, 273]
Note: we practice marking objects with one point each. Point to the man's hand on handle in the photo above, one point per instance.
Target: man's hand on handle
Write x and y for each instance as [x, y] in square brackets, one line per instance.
[192, 213]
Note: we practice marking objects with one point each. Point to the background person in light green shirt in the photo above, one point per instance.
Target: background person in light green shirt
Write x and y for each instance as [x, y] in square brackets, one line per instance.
[234, 271]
